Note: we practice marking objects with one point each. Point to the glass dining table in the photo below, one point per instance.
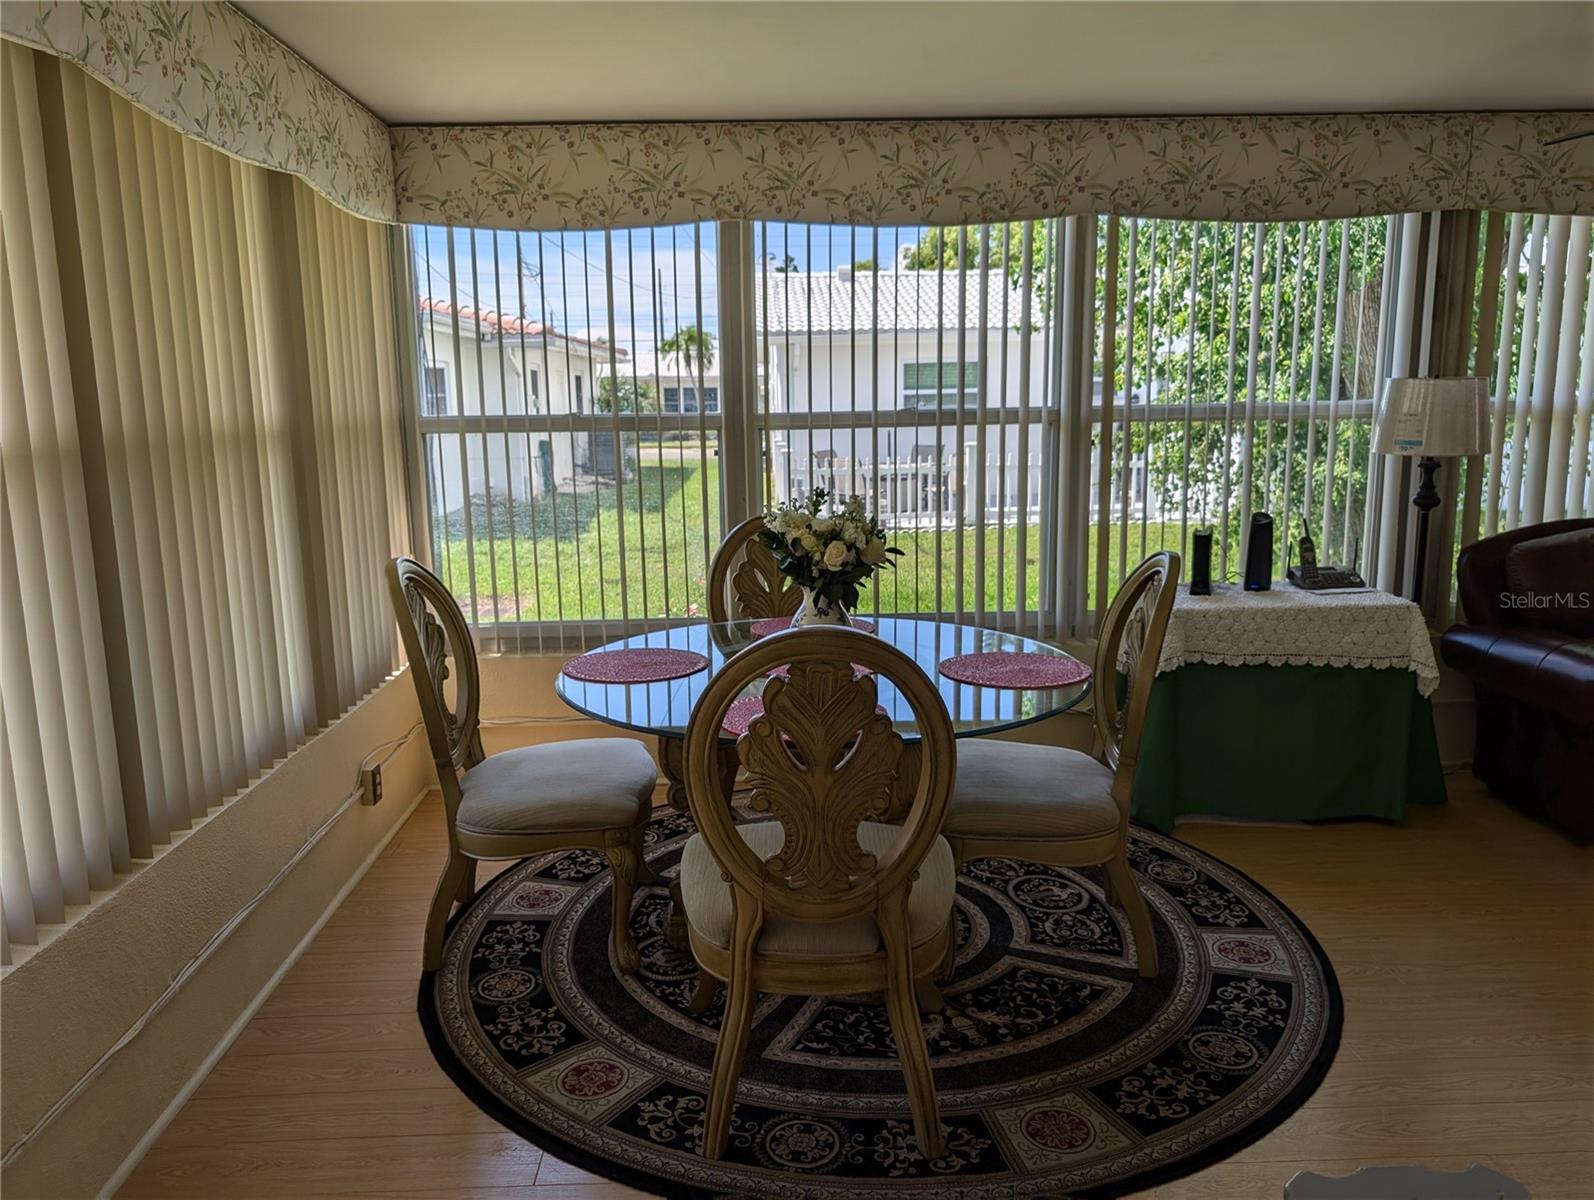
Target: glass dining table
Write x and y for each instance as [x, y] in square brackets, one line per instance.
[664, 708]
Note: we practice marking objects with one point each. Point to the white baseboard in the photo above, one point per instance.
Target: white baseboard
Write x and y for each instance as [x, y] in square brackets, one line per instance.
[136, 1155]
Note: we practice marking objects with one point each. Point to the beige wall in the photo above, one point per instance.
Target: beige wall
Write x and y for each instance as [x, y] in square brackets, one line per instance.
[69, 1002]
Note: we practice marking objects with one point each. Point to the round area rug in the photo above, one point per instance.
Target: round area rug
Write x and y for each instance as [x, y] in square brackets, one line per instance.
[1060, 1071]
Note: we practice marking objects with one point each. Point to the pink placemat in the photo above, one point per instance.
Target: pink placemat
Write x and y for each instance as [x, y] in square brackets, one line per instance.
[771, 625]
[637, 664]
[745, 710]
[1014, 669]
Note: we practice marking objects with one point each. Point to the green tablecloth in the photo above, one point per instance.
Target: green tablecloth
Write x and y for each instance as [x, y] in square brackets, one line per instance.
[1295, 743]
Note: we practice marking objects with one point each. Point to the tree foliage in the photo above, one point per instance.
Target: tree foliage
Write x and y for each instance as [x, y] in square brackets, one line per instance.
[633, 396]
[694, 345]
[1185, 296]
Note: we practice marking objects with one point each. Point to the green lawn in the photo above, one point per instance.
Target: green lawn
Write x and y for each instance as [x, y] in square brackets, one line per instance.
[565, 560]
[578, 573]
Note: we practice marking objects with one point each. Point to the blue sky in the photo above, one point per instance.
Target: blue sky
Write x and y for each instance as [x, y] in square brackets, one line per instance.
[655, 271]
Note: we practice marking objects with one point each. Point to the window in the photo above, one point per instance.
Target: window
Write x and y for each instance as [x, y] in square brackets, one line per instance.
[594, 507]
[1032, 407]
[1238, 368]
[685, 399]
[434, 391]
[923, 386]
[862, 374]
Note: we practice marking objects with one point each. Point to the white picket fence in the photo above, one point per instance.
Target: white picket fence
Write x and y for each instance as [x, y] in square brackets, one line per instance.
[922, 492]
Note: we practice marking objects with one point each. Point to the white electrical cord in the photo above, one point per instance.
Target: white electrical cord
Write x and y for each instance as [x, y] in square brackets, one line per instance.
[203, 954]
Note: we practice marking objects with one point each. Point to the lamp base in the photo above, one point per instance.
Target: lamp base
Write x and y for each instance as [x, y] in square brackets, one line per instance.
[1426, 500]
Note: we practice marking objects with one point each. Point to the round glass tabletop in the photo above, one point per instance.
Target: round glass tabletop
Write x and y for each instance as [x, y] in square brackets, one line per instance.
[665, 707]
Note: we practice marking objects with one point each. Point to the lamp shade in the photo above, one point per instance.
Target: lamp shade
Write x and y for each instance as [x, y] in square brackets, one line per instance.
[1437, 418]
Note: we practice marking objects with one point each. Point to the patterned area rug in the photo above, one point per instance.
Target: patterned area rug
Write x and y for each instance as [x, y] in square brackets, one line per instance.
[1060, 1071]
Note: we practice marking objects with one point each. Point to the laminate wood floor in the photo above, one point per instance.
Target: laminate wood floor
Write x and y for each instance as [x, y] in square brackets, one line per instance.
[1463, 939]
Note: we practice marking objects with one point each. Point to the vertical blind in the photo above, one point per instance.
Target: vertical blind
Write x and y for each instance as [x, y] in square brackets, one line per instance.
[570, 425]
[1245, 363]
[202, 477]
[1539, 353]
[1032, 407]
[912, 366]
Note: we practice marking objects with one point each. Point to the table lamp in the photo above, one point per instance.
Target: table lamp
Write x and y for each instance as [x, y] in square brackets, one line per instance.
[1433, 419]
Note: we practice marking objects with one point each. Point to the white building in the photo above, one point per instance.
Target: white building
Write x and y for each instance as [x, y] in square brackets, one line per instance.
[486, 364]
[904, 380]
[894, 384]
[678, 386]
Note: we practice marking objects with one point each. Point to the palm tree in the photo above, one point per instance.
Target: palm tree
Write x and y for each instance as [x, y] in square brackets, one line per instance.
[687, 341]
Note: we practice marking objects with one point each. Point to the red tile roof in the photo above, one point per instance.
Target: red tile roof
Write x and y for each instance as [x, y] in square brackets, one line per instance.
[503, 323]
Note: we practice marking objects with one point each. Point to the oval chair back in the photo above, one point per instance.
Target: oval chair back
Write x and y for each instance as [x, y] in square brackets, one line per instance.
[821, 759]
[1130, 643]
[434, 632]
[743, 581]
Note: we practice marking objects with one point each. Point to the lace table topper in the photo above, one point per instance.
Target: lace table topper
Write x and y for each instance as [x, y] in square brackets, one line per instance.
[1291, 627]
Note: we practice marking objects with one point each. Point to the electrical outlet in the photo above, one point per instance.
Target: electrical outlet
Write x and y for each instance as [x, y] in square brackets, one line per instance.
[371, 785]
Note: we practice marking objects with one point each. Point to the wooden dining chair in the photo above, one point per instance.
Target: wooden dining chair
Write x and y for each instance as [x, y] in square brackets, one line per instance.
[1064, 808]
[591, 793]
[823, 899]
[743, 581]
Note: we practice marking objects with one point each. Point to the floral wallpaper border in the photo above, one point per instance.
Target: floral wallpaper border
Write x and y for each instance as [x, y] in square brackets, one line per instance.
[890, 172]
[211, 72]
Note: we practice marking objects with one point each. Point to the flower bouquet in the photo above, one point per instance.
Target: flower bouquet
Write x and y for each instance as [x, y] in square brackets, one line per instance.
[827, 556]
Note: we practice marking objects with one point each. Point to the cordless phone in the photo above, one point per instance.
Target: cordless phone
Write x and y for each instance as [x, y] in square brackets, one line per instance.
[1308, 557]
[1313, 578]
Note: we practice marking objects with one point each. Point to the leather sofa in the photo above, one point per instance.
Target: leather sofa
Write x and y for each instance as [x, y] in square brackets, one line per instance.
[1528, 646]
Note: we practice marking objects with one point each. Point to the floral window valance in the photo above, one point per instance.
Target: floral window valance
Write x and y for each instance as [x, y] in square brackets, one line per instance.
[894, 172]
[213, 73]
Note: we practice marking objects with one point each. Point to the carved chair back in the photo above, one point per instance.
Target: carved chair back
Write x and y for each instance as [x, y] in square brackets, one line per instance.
[821, 759]
[435, 635]
[1130, 643]
[744, 583]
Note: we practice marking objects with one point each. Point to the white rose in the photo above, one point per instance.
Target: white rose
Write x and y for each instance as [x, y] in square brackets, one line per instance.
[875, 552]
[836, 555]
[809, 542]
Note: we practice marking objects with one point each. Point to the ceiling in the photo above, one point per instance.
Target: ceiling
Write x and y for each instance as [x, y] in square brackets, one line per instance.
[468, 61]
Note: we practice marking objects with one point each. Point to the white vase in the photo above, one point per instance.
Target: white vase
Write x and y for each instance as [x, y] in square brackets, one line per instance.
[817, 610]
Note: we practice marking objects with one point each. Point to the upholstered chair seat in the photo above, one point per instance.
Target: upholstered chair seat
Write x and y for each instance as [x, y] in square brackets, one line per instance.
[1015, 790]
[709, 912]
[590, 783]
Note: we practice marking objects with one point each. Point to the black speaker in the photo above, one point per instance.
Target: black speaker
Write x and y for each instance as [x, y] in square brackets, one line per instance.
[1259, 554]
[1201, 563]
